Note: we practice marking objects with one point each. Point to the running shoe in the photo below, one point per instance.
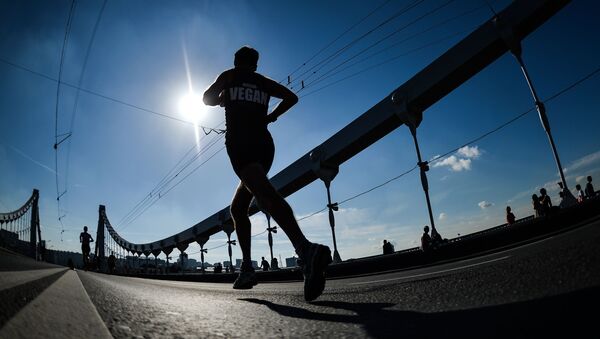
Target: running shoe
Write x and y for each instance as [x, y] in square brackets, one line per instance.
[314, 263]
[246, 280]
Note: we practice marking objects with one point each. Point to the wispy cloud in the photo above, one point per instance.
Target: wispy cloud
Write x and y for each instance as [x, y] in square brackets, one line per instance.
[485, 204]
[584, 161]
[442, 216]
[33, 160]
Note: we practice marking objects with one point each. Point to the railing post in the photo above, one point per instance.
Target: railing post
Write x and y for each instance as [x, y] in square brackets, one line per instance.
[99, 252]
[34, 226]
[270, 230]
[182, 247]
[514, 45]
[228, 228]
[327, 172]
[202, 241]
[412, 119]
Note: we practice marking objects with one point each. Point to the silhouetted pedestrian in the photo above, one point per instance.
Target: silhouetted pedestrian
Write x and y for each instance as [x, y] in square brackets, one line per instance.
[589, 188]
[388, 248]
[545, 202]
[245, 94]
[580, 194]
[425, 240]
[85, 239]
[510, 217]
[537, 206]
[264, 264]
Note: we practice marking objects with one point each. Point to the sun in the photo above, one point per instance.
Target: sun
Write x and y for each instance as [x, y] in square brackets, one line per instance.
[192, 107]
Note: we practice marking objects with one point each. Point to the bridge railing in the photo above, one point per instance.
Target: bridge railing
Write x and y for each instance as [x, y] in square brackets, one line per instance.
[20, 229]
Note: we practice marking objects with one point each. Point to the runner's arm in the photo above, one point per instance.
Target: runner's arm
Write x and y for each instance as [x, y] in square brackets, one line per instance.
[288, 97]
[212, 96]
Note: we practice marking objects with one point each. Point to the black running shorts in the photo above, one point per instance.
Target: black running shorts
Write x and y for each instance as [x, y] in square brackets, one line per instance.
[245, 151]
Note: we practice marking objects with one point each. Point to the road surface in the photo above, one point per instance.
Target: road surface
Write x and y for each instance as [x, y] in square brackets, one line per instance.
[548, 287]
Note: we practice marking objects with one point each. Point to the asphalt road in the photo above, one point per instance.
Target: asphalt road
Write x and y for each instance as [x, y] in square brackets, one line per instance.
[547, 288]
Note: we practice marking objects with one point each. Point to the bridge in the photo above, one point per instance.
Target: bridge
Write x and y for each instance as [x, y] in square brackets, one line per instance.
[537, 275]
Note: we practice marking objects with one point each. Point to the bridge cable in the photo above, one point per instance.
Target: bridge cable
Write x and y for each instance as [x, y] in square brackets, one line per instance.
[56, 136]
[109, 98]
[356, 40]
[79, 83]
[394, 58]
[172, 187]
[329, 73]
[170, 176]
[386, 37]
[157, 191]
[335, 40]
[519, 116]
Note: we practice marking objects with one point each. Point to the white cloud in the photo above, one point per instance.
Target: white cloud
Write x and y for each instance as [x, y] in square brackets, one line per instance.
[442, 216]
[584, 161]
[460, 162]
[485, 204]
[470, 152]
[456, 164]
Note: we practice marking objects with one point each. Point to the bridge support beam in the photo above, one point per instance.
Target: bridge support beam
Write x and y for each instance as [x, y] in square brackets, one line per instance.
[514, 45]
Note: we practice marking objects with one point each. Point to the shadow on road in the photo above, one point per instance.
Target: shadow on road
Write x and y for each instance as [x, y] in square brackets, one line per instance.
[566, 315]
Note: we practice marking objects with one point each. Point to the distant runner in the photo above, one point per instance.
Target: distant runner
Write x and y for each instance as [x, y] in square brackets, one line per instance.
[245, 95]
[85, 239]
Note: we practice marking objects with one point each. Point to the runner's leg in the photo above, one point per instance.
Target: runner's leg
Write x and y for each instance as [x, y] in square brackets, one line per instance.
[239, 213]
[255, 179]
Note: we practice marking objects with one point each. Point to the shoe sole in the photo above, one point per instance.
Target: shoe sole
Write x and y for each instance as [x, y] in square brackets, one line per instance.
[319, 263]
[246, 286]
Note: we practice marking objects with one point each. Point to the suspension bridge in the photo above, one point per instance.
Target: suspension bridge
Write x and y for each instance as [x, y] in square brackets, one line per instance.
[535, 277]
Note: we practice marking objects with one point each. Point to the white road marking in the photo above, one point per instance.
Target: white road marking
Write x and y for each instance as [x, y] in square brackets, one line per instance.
[430, 273]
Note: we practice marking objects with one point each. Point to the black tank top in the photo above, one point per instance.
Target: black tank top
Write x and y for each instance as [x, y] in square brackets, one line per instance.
[246, 104]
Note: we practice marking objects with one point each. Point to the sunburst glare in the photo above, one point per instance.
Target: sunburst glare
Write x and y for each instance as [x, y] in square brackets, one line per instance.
[193, 109]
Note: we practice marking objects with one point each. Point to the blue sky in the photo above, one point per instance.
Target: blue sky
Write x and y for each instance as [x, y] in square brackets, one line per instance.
[117, 153]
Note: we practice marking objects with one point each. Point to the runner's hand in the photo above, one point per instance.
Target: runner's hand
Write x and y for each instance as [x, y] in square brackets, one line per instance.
[270, 118]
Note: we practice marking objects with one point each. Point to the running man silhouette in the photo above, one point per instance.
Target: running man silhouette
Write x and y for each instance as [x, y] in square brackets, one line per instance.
[85, 239]
[245, 95]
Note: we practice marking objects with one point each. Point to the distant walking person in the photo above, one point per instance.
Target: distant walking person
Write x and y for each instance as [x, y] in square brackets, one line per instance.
[245, 95]
[264, 264]
[580, 194]
[545, 202]
[589, 188]
[85, 239]
[510, 217]
[388, 248]
[537, 206]
[425, 240]
[112, 263]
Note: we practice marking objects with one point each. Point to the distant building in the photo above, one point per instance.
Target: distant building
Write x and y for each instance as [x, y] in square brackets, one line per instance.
[62, 258]
[238, 263]
[291, 262]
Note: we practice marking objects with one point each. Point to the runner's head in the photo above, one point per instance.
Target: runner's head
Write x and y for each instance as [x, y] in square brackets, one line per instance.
[246, 57]
[85, 228]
